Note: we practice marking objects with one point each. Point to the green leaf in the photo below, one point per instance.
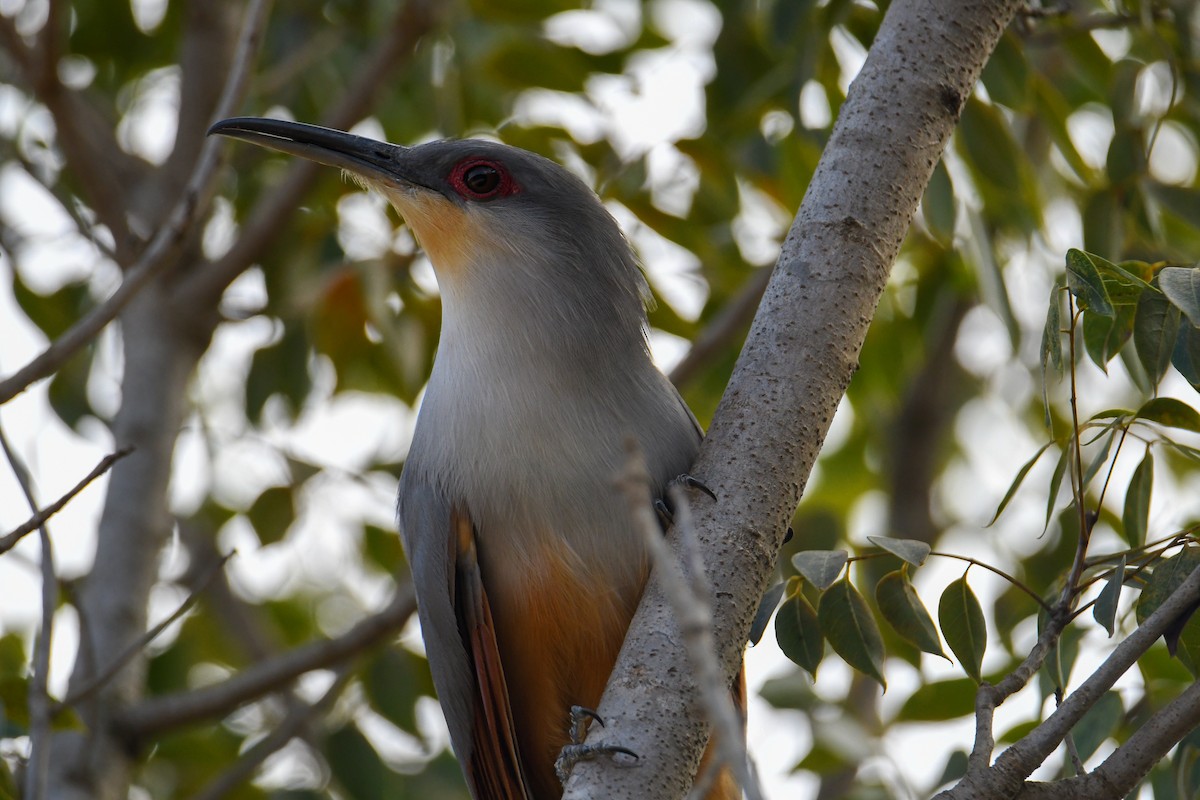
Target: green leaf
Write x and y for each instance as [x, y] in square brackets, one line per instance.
[14, 705]
[939, 701]
[1055, 482]
[1016, 484]
[913, 551]
[1103, 337]
[939, 206]
[956, 768]
[280, 369]
[355, 764]
[13, 662]
[1155, 328]
[1183, 201]
[1101, 456]
[903, 610]
[1006, 74]
[1171, 412]
[382, 548]
[820, 567]
[766, 608]
[1084, 281]
[272, 513]
[1056, 671]
[1186, 355]
[1136, 514]
[1017, 732]
[54, 314]
[798, 633]
[1126, 156]
[1051, 349]
[1100, 722]
[848, 624]
[1105, 609]
[391, 685]
[1052, 334]
[68, 389]
[963, 626]
[1164, 580]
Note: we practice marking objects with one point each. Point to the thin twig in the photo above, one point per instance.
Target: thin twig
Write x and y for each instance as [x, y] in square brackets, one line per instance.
[733, 319]
[297, 718]
[105, 675]
[1032, 750]
[157, 714]
[1007, 774]
[990, 697]
[169, 238]
[10, 539]
[728, 722]
[995, 570]
[37, 774]
[691, 606]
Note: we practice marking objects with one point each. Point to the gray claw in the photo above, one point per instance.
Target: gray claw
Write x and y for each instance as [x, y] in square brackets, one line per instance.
[577, 751]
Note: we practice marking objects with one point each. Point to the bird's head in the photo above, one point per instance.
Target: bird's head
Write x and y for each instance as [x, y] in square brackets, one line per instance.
[494, 219]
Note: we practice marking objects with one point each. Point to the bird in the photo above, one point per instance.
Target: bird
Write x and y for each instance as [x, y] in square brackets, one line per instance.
[525, 561]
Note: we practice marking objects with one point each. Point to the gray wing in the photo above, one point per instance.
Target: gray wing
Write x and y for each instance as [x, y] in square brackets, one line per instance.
[460, 643]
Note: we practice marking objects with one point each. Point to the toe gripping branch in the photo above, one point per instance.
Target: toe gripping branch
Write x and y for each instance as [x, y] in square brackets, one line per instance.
[662, 505]
[577, 751]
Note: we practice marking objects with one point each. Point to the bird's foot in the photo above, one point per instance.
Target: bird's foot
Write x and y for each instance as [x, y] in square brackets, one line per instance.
[694, 483]
[666, 514]
[577, 750]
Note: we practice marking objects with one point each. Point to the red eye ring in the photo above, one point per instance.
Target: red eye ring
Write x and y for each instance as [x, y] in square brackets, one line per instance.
[481, 179]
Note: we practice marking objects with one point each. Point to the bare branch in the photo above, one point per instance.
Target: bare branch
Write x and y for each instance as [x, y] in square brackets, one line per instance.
[169, 238]
[733, 319]
[1124, 769]
[990, 697]
[692, 609]
[158, 714]
[798, 358]
[102, 677]
[9, 540]
[284, 732]
[1007, 776]
[38, 773]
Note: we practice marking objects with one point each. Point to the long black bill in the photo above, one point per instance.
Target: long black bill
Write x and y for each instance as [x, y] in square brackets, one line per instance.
[366, 157]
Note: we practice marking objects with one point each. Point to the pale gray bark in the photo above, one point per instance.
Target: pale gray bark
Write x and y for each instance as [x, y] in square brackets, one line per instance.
[796, 364]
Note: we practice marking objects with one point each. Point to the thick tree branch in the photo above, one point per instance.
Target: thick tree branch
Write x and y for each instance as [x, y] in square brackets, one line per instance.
[1019, 761]
[1122, 771]
[158, 714]
[689, 595]
[797, 361]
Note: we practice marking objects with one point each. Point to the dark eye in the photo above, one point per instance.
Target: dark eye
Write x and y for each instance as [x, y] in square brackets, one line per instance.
[481, 179]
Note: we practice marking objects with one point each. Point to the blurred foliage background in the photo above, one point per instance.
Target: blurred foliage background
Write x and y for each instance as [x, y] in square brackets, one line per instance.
[699, 123]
